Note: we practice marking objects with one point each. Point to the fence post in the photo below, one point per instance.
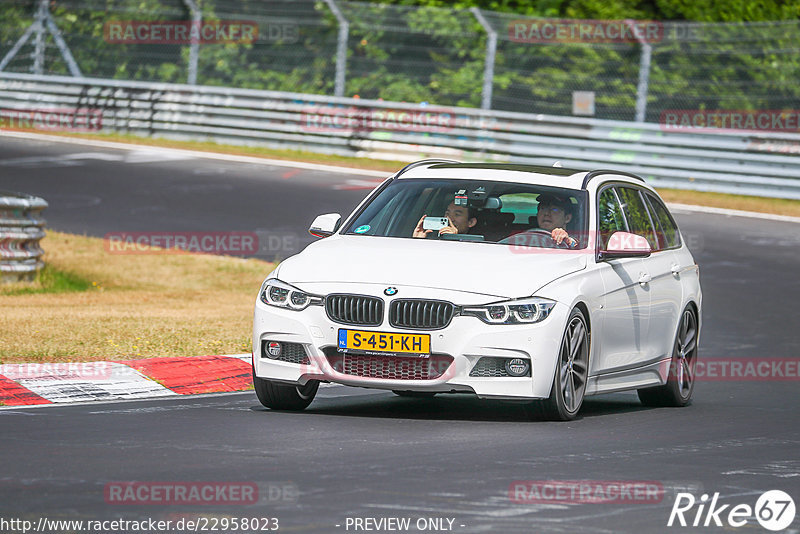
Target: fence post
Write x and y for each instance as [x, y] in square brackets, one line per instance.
[341, 47]
[644, 75]
[491, 52]
[42, 20]
[644, 82]
[197, 17]
[38, 54]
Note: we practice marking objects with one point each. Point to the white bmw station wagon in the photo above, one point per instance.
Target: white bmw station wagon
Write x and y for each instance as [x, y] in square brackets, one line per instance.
[537, 284]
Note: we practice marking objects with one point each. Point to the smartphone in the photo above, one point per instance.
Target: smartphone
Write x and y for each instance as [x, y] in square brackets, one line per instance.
[434, 223]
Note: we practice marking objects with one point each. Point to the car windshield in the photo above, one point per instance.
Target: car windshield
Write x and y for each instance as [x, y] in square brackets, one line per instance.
[474, 210]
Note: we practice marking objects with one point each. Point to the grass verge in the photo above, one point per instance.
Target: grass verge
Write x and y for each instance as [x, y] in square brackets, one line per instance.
[776, 206]
[50, 280]
[91, 305]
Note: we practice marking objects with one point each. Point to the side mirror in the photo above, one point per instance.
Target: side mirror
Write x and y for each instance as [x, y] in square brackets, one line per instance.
[325, 225]
[625, 245]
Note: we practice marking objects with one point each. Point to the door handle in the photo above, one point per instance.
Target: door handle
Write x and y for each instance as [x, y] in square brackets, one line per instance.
[644, 278]
[676, 269]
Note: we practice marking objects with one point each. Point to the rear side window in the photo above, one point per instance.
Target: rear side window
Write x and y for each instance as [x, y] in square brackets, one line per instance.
[521, 205]
[638, 217]
[610, 216]
[668, 235]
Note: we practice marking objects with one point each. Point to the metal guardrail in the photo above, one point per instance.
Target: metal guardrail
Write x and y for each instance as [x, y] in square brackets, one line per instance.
[21, 229]
[751, 163]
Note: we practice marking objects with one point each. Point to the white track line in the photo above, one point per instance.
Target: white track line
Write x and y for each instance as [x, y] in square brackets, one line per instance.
[733, 213]
[332, 168]
[196, 154]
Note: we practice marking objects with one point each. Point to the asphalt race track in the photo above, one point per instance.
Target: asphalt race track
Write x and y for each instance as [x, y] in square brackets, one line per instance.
[369, 454]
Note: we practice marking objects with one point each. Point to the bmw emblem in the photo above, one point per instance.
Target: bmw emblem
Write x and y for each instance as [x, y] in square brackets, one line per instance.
[389, 291]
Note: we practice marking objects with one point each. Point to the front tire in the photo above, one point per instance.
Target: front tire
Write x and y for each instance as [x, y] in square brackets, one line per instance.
[677, 392]
[284, 397]
[572, 369]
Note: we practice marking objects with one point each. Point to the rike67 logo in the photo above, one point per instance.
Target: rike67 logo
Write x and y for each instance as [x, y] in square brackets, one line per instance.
[774, 510]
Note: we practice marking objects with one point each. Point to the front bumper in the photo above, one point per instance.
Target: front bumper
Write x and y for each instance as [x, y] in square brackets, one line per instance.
[466, 339]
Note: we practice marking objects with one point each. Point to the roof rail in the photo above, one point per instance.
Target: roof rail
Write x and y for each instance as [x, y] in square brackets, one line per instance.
[428, 161]
[599, 172]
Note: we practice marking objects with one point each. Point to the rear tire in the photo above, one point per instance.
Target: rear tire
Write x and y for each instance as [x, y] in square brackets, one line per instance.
[677, 392]
[284, 397]
[414, 394]
[569, 381]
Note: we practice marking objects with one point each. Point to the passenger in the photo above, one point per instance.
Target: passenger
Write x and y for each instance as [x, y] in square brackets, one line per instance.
[460, 218]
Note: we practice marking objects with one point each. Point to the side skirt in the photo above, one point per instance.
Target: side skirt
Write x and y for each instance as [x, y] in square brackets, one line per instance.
[652, 374]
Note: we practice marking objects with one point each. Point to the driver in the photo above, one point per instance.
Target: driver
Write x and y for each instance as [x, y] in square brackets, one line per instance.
[460, 218]
[554, 214]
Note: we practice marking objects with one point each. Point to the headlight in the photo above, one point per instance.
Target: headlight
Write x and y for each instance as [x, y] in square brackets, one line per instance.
[280, 294]
[521, 311]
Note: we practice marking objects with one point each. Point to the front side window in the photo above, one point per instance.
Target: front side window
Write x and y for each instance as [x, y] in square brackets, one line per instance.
[610, 217]
[637, 215]
[473, 210]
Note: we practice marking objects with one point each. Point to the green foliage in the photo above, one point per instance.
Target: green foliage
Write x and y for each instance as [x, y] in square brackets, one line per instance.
[50, 280]
[434, 51]
[688, 10]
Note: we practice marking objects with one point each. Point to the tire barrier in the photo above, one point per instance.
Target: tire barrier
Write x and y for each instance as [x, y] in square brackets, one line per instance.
[21, 229]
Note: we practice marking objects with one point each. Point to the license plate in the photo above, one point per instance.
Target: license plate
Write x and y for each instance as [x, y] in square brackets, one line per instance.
[383, 342]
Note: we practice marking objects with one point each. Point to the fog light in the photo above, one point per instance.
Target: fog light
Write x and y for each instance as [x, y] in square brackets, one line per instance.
[517, 367]
[273, 349]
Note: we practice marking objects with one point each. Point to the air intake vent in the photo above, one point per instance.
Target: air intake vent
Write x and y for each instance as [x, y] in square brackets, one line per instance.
[390, 367]
[420, 314]
[354, 309]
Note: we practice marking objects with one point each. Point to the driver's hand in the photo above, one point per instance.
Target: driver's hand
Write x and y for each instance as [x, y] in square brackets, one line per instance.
[449, 229]
[419, 231]
[560, 235]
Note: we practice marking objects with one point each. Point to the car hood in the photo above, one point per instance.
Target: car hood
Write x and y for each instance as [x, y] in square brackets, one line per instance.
[488, 269]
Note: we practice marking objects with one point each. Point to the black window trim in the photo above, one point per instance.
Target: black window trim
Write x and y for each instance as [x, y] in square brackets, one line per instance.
[648, 195]
[648, 209]
[600, 190]
[601, 172]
